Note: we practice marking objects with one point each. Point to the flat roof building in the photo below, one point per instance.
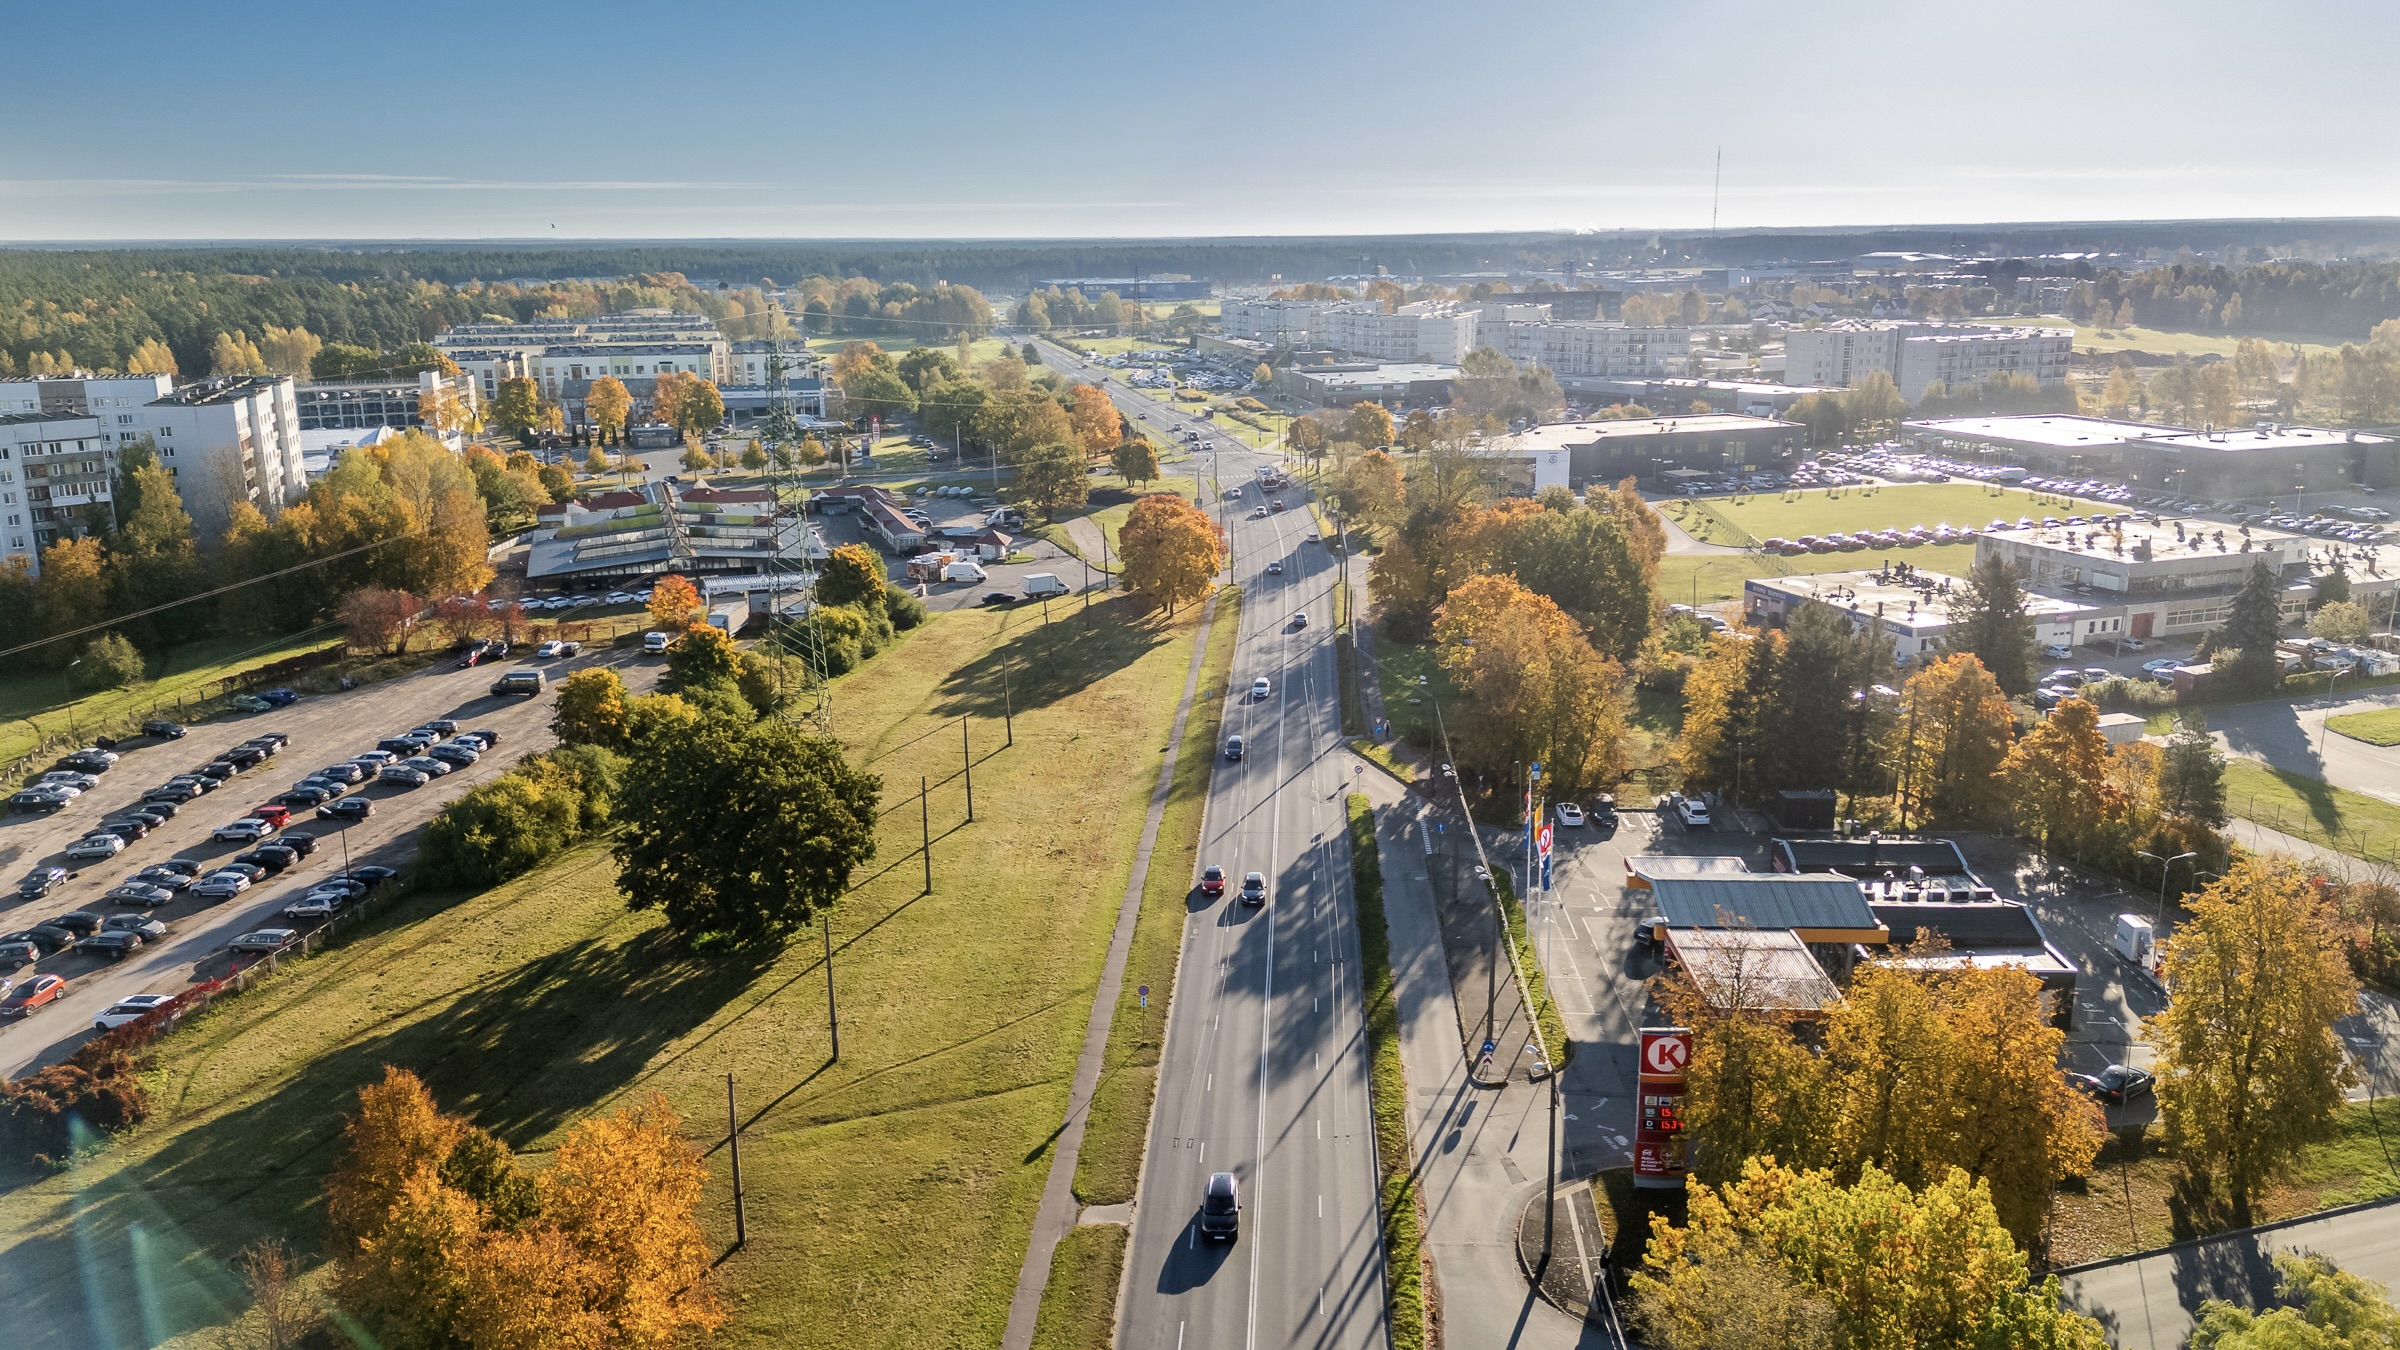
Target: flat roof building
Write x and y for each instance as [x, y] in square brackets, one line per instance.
[1607, 451]
[2259, 463]
[1398, 384]
[1754, 970]
[1821, 909]
[1908, 606]
[1917, 355]
[55, 467]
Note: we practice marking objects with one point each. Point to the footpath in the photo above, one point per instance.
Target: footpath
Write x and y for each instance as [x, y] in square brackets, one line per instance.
[2148, 1301]
[1480, 1152]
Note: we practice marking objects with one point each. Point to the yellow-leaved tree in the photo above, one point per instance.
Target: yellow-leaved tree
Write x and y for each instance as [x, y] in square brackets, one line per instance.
[674, 603]
[1098, 426]
[1534, 689]
[2058, 775]
[2250, 1069]
[1171, 550]
[608, 403]
[1954, 731]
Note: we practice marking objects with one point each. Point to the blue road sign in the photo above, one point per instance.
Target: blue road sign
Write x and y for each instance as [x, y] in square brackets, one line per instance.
[1490, 1046]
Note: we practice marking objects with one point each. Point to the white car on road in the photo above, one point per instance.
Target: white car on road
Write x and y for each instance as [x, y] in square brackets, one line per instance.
[1259, 688]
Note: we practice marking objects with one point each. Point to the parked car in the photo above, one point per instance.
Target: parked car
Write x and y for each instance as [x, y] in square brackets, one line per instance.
[347, 809]
[265, 940]
[427, 765]
[125, 828]
[297, 841]
[273, 857]
[305, 798]
[130, 1009]
[110, 946]
[43, 938]
[252, 703]
[1212, 880]
[80, 922]
[243, 831]
[346, 773]
[373, 874]
[1221, 1207]
[94, 847]
[40, 799]
[162, 876]
[281, 698]
[317, 904]
[654, 643]
[272, 813]
[485, 737]
[40, 882]
[138, 893]
[32, 994]
[440, 727]
[162, 729]
[2114, 1086]
[1570, 814]
[143, 924]
[177, 793]
[371, 760]
[92, 760]
[15, 954]
[190, 867]
[402, 775]
[1692, 811]
[452, 753]
[1254, 888]
[220, 886]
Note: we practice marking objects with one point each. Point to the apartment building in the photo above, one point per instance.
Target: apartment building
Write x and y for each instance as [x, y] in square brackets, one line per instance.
[1275, 322]
[225, 440]
[1425, 331]
[635, 348]
[362, 405]
[1843, 353]
[1607, 351]
[53, 467]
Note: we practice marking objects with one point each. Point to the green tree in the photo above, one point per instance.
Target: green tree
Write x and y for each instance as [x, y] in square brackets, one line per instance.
[591, 708]
[110, 662]
[1135, 459]
[873, 390]
[1586, 562]
[2324, 1308]
[740, 834]
[2341, 621]
[2333, 586]
[851, 574]
[2250, 1068]
[2191, 773]
[1370, 491]
[2245, 647]
[517, 408]
[1989, 621]
[924, 367]
[1051, 479]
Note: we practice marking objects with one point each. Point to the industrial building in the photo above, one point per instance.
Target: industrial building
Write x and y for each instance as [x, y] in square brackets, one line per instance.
[1410, 384]
[1655, 449]
[1909, 607]
[2254, 464]
[637, 534]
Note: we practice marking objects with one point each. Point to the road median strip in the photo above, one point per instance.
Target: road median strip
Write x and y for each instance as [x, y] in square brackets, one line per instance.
[1397, 1201]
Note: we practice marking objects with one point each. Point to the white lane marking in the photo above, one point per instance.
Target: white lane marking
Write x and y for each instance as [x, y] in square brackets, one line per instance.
[1320, 1204]
[1212, 1084]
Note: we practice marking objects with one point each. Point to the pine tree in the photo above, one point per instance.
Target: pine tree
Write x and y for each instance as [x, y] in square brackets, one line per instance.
[2191, 774]
[1988, 620]
[2245, 646]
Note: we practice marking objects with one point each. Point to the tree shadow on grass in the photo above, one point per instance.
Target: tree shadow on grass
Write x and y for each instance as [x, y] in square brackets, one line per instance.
[524, 1054]
[1037, 663]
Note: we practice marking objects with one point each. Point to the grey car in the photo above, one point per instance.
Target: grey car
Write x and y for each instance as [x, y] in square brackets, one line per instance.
[1221, 1207]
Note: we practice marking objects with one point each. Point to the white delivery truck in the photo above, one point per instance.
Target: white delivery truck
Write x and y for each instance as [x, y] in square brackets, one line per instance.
[2137, 946]
[1040, 584]
[963, 570]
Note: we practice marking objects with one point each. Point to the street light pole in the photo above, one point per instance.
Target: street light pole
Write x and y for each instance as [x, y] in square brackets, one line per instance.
[2329, 684]
[2164, 866]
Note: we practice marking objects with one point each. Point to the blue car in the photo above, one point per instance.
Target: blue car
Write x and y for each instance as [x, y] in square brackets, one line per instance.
[281, 698]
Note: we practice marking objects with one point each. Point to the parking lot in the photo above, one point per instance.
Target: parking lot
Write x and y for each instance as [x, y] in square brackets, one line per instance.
[323, 730]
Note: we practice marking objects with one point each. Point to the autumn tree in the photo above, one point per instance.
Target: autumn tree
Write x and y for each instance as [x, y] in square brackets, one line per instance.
[2323, 1307]
[591, 708]
[1306, 435]
[675, 603]
[1099, 428]
[1989, 621]
[1533, 687]
[1370, 491]
[1926, 1267]
[2250, 1067]
[151, 357]
[741, 832]
[235, 354]
[852, 574]
[1368, 425]
[608, 403]
[2058, 775]
[1171, 550]
[1954, 728]
[379, 618]
[517, 406]
[1052, 480]
[1135, 459]
[1584, 560]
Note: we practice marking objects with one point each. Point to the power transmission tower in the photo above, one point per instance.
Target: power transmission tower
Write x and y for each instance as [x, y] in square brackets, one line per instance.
[791, 575]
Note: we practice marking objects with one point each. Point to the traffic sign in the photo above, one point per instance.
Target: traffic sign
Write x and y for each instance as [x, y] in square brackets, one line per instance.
[1545, 841]
[1490, 1046]
[1144, 992]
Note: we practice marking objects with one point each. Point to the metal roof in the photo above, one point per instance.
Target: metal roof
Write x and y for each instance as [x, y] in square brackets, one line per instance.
[1762, 901]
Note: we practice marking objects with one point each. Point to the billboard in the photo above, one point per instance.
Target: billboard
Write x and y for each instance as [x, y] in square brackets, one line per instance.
[1659, 1159]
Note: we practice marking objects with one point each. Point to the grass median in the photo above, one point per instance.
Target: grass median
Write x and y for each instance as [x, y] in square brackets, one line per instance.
[1079, 1305]
[1398, 1201]
[891, 1193]
[2381, 727]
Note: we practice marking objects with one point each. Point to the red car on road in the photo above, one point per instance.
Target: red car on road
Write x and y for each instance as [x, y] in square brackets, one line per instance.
[38, 992]
[1212, 880]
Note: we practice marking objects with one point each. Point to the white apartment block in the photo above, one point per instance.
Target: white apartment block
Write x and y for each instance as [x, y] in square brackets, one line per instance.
[224, 440]
[52, 466]
[1285, 322]
[1427, 332]
[1595, 350]
[1915, 355]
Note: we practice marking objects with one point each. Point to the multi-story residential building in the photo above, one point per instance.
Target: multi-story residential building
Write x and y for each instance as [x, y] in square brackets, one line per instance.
[1608, 351]
[1425, 331]
[1276, 322]
[1843, 353]
[225, 440]
[229, 440]
[54, 466]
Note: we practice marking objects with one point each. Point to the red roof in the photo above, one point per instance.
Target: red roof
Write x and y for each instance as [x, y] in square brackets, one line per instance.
[612, 501]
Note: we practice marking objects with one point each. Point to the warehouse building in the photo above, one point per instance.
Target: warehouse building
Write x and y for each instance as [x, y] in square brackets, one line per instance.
[2259, 463]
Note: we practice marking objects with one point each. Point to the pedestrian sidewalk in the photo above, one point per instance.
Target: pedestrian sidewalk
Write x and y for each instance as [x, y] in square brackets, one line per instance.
[1479, 1152]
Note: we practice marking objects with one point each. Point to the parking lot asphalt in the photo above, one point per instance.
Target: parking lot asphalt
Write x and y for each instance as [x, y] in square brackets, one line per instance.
[324, 729]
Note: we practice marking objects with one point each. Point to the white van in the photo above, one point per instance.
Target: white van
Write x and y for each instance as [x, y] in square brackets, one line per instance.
[1040, 584]
[963, 570]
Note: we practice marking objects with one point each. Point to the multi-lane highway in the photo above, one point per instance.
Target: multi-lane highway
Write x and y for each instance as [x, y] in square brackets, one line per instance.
[1265, 1072]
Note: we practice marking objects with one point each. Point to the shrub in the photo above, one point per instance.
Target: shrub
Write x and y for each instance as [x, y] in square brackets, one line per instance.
[110, 662]
[41, 1113]
[904, 610]
[508, 826]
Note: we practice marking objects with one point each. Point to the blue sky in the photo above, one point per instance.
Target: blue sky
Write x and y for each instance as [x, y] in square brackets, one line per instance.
[938, 119]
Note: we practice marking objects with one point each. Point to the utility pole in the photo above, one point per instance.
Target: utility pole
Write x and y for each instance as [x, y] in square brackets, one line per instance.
[733, 1143]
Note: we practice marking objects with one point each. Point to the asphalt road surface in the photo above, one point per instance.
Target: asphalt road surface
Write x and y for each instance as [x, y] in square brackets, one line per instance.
[1265, 1073]
[324, 729]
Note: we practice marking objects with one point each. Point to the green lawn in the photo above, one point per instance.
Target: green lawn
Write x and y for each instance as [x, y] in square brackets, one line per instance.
[2381, 727]
[890, 1194]
[2312, 809]
[38, 705]
[2108, 338]
[1079, 1305]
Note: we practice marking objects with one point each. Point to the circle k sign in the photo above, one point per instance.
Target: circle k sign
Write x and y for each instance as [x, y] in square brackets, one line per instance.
[1666, 1053]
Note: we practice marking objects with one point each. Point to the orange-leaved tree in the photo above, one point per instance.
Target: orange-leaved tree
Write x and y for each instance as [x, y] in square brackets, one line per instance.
[1171, 550]
[674, 603]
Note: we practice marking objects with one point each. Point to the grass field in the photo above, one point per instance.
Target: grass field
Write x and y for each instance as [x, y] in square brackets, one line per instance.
[1820, 511]
[2165, 342]
[1079, 1305]
[2313, 809]
[2381, 727]
[37, 705]
[981, 349]
[890, 1193]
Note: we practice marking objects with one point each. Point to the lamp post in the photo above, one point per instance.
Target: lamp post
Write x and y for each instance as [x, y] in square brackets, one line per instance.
[2164, 866]
[2329, 684]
